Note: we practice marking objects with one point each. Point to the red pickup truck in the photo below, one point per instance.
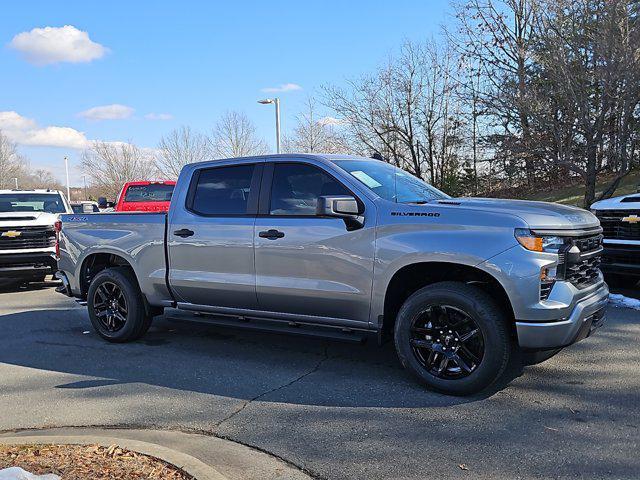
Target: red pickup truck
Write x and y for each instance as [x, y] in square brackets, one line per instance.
[145, 196]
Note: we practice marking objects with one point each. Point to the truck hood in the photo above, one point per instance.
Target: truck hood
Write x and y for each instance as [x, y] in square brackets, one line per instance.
[27, 219]
[625, 202]
[538, 215]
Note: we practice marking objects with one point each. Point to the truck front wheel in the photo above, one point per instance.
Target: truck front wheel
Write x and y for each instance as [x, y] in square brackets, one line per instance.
[453, 337]
[116, 307]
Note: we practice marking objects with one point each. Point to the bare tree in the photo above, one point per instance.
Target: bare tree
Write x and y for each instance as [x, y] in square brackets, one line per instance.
[111, 164]
[11, 164]
[588, 101]
[407, 111]
[179, 148]
[495, 40]
[234, 135]
[313, 134]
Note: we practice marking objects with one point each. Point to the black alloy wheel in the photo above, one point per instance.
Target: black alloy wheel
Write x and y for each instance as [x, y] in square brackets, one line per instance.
[446, 341]
[453, 337]
[110, 306]
[116, 305]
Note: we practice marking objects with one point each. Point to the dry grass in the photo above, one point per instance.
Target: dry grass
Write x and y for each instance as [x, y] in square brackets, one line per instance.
[84, 462]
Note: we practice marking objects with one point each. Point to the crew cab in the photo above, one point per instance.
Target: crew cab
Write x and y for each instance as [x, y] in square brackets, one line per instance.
[346, 246]
[620, 220]
[27, 233]
[145, 196]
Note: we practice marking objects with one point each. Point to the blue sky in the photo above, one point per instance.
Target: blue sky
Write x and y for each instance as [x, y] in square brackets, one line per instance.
[190, 61]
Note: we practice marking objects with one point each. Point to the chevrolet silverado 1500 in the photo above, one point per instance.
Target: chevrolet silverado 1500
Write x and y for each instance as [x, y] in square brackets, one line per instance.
[346, 246]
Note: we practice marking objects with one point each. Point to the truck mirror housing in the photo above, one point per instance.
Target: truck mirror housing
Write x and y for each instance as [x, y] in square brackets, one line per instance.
[102, 202]
[343, 207]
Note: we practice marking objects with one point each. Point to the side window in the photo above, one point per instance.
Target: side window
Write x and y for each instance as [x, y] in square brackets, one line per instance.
[223, 190]
[296, 188]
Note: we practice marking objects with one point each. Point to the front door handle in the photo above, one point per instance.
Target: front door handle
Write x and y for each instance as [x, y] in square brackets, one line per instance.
[184, 232]
[271, 234]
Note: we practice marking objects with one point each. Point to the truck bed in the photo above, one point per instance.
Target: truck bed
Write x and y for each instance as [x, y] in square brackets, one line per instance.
[137, 237]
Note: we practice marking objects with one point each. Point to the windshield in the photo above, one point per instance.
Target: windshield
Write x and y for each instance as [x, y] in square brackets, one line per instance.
[32, 202]
[157, 192]
[391, 183]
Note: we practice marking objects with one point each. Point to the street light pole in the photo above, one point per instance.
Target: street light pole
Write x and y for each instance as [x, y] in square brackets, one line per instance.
[276, 102]
[66, 168]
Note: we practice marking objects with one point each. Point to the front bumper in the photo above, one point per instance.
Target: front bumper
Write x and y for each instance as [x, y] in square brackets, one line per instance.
[587, 315]
[20, 266]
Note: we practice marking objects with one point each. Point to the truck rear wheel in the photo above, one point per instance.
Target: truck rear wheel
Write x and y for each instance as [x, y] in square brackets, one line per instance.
[116, 307]
[453, 337]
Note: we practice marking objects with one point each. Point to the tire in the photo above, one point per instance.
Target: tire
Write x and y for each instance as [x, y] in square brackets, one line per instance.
[109, 326]
[475, 319]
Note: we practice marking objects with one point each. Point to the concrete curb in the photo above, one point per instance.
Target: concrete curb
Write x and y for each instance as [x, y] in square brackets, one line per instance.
[205, 457]
[191, 465]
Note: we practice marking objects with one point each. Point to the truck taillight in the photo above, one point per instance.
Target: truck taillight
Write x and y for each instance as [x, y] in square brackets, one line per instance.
[58, 228]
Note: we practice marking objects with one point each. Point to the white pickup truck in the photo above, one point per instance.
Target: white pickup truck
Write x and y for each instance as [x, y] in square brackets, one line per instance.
[620, 220]
[27, 233]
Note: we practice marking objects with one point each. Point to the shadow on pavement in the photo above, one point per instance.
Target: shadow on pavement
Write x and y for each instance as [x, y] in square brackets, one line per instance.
[220, 361]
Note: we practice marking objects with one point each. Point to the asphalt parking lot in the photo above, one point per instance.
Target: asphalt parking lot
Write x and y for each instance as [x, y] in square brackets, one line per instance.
[337, 410]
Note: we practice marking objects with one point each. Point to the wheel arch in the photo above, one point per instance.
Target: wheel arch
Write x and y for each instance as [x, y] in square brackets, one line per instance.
[411, 277]
[95, 262]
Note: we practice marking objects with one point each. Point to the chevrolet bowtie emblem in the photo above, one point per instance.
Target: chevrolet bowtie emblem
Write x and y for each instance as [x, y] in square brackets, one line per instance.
[631, 219]
[14, 233]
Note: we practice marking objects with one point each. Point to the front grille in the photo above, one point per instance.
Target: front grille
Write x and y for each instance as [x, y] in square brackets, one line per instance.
[581, 270]
[29, 237]
[614, 228]
[584, 273]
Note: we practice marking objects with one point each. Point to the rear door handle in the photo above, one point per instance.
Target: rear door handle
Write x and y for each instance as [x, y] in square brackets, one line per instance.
[271, 234]
[184, 232]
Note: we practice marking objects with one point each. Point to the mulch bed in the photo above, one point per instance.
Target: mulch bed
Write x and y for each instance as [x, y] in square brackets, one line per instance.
[87, 462]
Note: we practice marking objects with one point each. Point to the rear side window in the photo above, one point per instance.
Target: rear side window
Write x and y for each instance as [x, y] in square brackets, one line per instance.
[223, 190]
[156, 192]
[297, 186]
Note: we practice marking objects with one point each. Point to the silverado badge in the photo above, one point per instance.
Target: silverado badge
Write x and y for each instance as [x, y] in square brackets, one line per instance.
[631, 219]
[11, 234]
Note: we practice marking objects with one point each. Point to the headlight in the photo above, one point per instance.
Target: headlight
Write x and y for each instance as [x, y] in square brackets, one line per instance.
[539, 243]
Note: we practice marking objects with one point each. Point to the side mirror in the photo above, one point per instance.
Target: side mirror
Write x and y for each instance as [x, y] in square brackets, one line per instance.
[346, 208]
[102, 202]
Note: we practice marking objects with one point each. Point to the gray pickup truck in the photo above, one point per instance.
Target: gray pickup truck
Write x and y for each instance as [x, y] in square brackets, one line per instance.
[346, 246]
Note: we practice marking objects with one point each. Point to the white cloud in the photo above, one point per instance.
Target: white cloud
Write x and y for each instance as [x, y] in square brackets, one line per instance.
[285, 87]
[107, 112]
[14, 121]
[158, 116]
[44, 46]
[330, 121]
[65, 137]
[26, 131]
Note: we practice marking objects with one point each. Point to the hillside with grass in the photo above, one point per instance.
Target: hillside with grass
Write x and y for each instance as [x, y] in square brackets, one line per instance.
[573, 194]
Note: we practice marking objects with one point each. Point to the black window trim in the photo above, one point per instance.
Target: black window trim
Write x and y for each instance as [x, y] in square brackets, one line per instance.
[264, 204]
[254, 191]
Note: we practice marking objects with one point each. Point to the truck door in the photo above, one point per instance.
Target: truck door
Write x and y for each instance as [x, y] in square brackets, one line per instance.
[210, 237]
[309, 265]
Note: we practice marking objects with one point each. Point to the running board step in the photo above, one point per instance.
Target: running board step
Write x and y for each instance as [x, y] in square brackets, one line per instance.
[271, 326]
